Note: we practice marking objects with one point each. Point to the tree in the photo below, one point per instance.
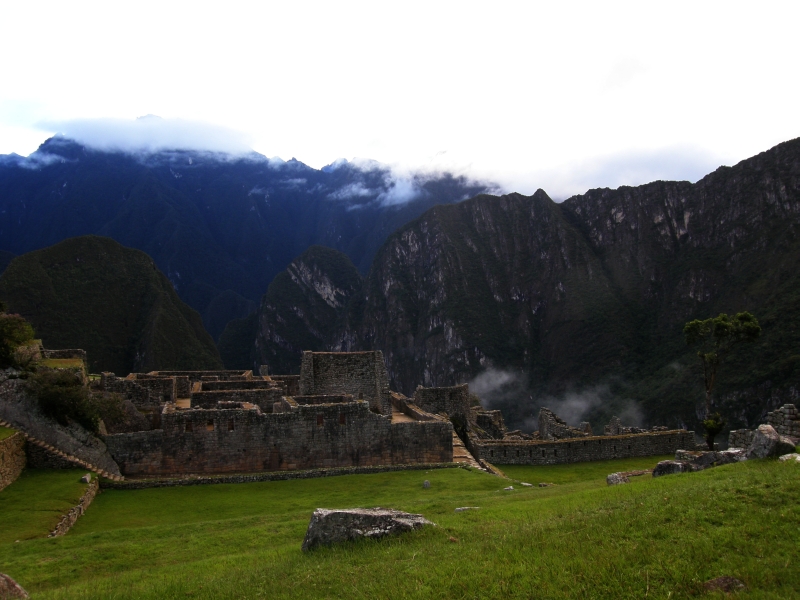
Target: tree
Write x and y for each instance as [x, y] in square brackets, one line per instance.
[714, 338]
[14, 332]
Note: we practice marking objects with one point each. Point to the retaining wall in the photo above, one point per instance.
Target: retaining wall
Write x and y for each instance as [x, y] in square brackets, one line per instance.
[302, 437]
[586, 449]
[68, 520]
[12, 458]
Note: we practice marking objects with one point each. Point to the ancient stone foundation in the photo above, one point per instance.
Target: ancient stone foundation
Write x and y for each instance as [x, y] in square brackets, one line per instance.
[584, 449]
[12, 459]
[300, 437]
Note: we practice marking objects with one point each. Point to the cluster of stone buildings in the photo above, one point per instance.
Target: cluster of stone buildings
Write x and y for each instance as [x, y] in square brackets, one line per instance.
[339, 412]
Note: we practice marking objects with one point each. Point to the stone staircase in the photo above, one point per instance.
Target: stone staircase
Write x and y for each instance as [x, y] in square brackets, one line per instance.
[73, 459]
[462, 455]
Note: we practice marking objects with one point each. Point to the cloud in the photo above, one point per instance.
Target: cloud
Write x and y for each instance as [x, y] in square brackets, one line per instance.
[152, 134]
[510, 392]
[351, 191]
[400, 190]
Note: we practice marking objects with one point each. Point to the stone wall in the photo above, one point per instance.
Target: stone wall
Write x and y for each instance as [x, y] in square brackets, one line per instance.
[453, 401]
[253, 384]
[785, 420]
[195, 376]
[162, 389]
[552, 427]
[491, 421]
[303, 437]
[362, 374]
[12, 458]
[291, 383]
[71, 353]
[128, 388]
[74, 513]
[264, 398]
[740, 438]
[582, 449]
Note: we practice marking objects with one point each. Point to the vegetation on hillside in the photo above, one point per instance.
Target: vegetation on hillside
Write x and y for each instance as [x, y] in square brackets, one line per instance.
[92, 293]
[15, 331]
[300, 310]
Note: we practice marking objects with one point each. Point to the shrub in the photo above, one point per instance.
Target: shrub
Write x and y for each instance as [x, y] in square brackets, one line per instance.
[62, 397]
[14, 331]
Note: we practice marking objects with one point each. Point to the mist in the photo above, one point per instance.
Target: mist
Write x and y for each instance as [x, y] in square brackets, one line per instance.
[151, 134]
[509, 392]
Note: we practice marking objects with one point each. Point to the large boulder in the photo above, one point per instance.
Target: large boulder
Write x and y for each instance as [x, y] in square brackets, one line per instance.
[617, 479]
[768, 443]
[335, 526]
[704, 459]
[671, 467]
[10, 588]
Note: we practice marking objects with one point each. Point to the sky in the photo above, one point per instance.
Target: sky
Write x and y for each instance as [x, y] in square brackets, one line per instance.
[563, 96]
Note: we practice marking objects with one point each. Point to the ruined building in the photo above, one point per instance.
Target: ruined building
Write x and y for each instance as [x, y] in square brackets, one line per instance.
[233, 421]
[339, 412]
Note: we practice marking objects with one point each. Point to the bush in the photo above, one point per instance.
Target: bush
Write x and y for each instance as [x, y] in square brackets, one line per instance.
[14, 331]
[62, 397]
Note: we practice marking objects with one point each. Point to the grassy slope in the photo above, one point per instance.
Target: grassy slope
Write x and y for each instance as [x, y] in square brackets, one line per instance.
[32, 505]
[5, 432]
[659, 538]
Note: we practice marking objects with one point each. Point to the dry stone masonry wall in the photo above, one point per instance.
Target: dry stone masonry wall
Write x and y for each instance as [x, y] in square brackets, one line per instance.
[12, 458]
[362, 374]
[581, 449]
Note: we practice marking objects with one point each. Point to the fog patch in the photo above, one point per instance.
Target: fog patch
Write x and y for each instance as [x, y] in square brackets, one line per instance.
[496, 387]
[150, 134]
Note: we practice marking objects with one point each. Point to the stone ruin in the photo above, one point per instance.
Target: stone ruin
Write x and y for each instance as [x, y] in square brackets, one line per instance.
[558, 442]
[785, 420]
[339, 412]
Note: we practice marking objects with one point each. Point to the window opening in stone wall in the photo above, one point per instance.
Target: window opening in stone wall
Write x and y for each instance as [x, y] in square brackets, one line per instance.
[530, 452]
[188, 426]
[209, 425]
[342, 419]
[320, 420]
[491, 452]
[544, 453]
[231, 425]
[517, 452]
[629, 446]
[555, 452]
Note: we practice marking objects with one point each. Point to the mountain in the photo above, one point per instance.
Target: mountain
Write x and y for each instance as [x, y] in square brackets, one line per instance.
[220, 227]
[580, 305]
[90, 292]
[300, 311]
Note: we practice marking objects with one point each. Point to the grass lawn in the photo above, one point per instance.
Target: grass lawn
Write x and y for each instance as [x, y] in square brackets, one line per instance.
[62, 363]
[655, 538]
[32, 505]
[5, 432]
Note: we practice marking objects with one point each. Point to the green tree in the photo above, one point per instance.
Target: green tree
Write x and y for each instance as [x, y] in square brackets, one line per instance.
[14, 332]
[714, 339]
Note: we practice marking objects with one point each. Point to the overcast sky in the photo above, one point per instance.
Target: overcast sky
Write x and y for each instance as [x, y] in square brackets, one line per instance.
[563, 96]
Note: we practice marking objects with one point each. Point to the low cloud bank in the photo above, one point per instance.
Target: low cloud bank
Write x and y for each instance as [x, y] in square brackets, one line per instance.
[152, 134]
[508, 391]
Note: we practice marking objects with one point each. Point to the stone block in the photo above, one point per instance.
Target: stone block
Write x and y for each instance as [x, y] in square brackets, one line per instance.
[671, 467]
[335, 526]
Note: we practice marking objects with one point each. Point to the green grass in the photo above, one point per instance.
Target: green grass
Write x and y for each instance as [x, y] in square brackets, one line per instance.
[588, 473]
[5, 432]
[63, 363]
[32, 505]
[655, 538]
